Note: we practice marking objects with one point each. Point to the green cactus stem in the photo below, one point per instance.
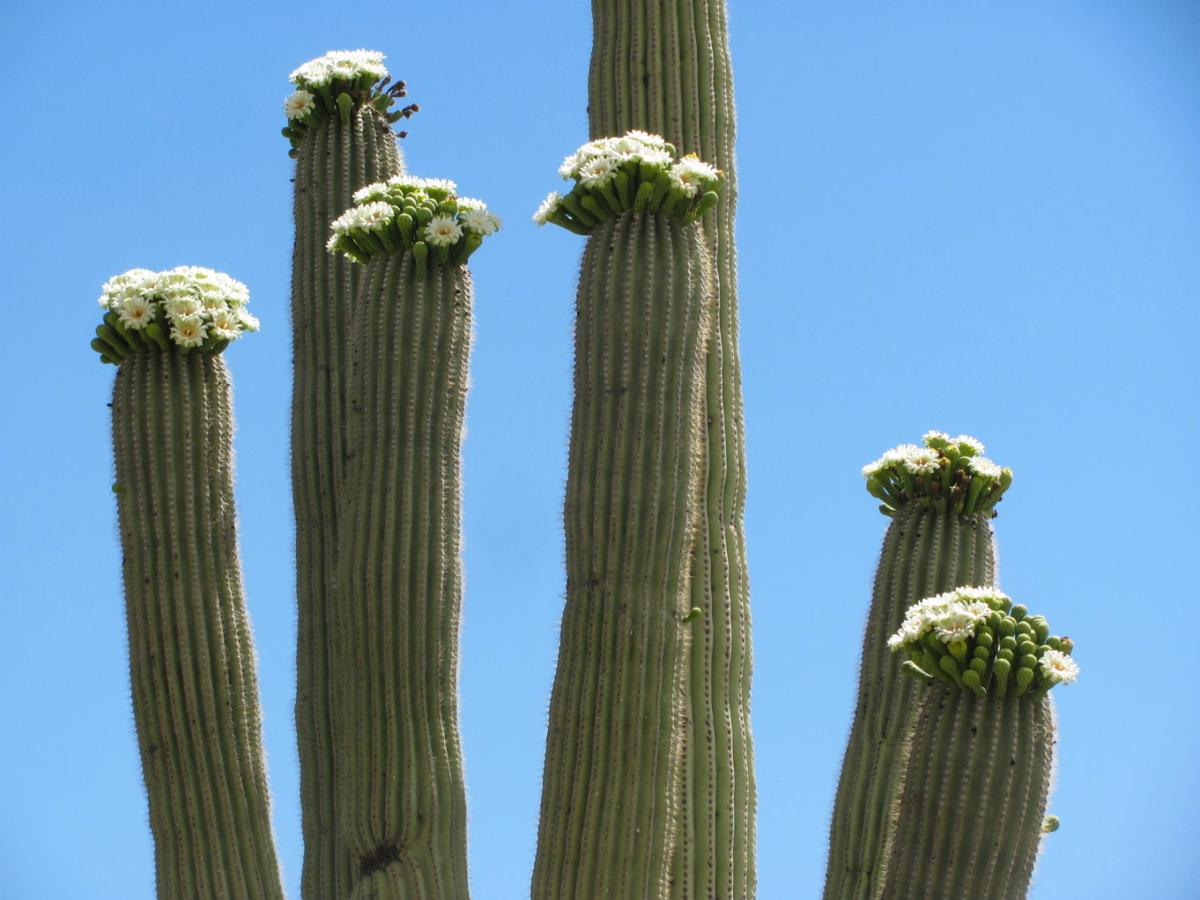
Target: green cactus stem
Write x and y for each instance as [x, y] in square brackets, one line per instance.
[932, 545]
[401, 798]
[611, 790]
[191, 658]
[664, 67]
[338, 148]
[972, 814]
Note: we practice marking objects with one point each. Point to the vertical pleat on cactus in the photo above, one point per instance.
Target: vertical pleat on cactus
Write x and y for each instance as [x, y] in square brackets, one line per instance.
[663, 66]
[612, 787]
[927, 550]
[191, 659]
[333, 159]
[400, 793]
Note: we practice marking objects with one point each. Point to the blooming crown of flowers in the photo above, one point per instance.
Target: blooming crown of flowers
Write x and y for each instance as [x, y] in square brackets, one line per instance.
[186, 307]
[639, 172]
[975, 638]
[945, 471]
[421, 215]
[333, 84]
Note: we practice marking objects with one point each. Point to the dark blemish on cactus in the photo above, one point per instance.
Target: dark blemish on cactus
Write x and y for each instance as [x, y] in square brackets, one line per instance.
[378, 859]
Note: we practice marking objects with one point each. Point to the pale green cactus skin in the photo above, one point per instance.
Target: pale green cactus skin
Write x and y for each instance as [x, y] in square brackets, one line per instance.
[612, 790]
[974, 797]
[401, 801]
[191, 658]
[664, 67]
[928, 549]
[332, 161]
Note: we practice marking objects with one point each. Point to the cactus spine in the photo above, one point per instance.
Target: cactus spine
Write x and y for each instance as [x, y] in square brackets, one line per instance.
[664, 66]
[611, 789]
[401, 796]
[338, 147]
[191, 659]
[939, 538]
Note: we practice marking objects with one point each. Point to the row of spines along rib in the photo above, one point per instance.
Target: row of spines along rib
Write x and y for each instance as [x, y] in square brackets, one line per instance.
[400, 792]
[191, 659]
[974, 798]
[663, 66]
[333, 161]
[926, 551]
[611, 792]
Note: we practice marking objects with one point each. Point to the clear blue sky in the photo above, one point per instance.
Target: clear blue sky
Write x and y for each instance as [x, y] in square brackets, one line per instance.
[951, 217]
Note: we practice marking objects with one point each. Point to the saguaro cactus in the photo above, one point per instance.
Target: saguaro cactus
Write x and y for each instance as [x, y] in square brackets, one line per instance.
[972, 812]
[611, 791]
[339, 127]
[401, 802]
[941, 498]
[663, 66]
[191, 660]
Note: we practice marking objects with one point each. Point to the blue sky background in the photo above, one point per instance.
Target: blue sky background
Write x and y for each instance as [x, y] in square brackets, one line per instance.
[951, 217]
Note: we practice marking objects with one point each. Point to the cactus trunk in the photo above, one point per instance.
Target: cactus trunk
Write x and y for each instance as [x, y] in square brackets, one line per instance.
[195, 693]
[400, 793]
[664, 67]
[975, 796]
[611, 790]
[927, 550]
[333, 160]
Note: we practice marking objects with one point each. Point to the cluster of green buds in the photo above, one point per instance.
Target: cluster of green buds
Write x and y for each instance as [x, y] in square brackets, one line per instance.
[333, 84]
[639, 172]
[421, 215]
[188, 307]
[946, 470]
[975, 638]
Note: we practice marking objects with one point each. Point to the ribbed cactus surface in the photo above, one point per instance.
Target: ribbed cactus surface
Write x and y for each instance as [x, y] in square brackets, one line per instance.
[333, 159]
[925, 551]
[975, 797]
[612, 790]
[401, 799]
[941, 497]
[663, 66]
[195, 694]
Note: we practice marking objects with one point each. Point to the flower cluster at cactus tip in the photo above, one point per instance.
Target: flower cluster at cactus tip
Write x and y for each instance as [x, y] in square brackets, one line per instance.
[978, 640]
[947, 471]
[333, 84]
[188, 307]
[421, 215]
[638, 172]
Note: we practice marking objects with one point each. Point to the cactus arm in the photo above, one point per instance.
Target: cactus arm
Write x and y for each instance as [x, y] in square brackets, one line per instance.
[611, 784]
[972, 811]
[401, 795]
[332, 160]
[664, 67]
[975, 797]
[195, 692]
[925, 551]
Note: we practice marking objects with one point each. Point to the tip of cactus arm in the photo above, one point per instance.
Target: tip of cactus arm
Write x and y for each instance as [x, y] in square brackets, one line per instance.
[424, 216]
[334, 84]
[942, 472]
[978, 640]
[637, 172]
[182, 309]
